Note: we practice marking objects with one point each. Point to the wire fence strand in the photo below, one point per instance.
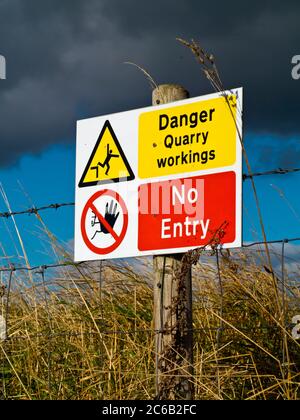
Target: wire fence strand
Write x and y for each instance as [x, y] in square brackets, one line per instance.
[38, 269]
[279, 171]
[56, 206]
[35, 210]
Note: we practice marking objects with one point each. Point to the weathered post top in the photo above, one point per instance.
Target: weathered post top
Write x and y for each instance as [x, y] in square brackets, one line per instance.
[165, 93]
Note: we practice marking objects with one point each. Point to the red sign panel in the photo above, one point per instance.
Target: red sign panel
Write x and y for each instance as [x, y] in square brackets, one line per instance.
[187, 212]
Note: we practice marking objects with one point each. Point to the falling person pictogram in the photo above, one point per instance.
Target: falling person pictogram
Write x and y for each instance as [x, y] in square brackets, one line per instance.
[109, 156]
[110, 216]
[107, 162]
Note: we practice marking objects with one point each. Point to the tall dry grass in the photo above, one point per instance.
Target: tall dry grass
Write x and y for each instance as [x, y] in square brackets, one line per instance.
[79, 336]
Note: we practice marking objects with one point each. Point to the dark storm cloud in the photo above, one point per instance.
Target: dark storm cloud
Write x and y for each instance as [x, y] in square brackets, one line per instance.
[65, 61]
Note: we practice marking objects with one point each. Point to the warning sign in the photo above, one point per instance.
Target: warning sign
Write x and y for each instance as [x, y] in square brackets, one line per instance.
[187, 212]
[183, 161]
[107, 162]
[188, 138]
[104, 222]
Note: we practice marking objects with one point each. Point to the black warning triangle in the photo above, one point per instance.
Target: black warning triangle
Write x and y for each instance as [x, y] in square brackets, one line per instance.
[107, 162]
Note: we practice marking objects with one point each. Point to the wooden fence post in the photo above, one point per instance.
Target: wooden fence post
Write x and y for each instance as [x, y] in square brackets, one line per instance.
[172, 305]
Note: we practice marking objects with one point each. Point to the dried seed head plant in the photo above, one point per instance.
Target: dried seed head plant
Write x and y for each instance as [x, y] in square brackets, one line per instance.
[209, 67]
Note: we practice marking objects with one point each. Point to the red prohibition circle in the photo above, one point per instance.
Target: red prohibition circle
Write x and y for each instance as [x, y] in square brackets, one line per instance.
[118, 238]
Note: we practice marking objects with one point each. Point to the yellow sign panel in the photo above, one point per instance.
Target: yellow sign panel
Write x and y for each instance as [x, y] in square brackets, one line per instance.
[187, 138]
[107, 162]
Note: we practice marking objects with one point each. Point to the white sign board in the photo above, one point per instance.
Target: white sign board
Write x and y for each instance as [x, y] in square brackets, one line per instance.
[159, 180]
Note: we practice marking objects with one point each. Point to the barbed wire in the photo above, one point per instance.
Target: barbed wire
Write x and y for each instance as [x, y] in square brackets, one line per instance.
[35, 210]
[55, 206]
[270, 242]
[279, 171]
[39, 269]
